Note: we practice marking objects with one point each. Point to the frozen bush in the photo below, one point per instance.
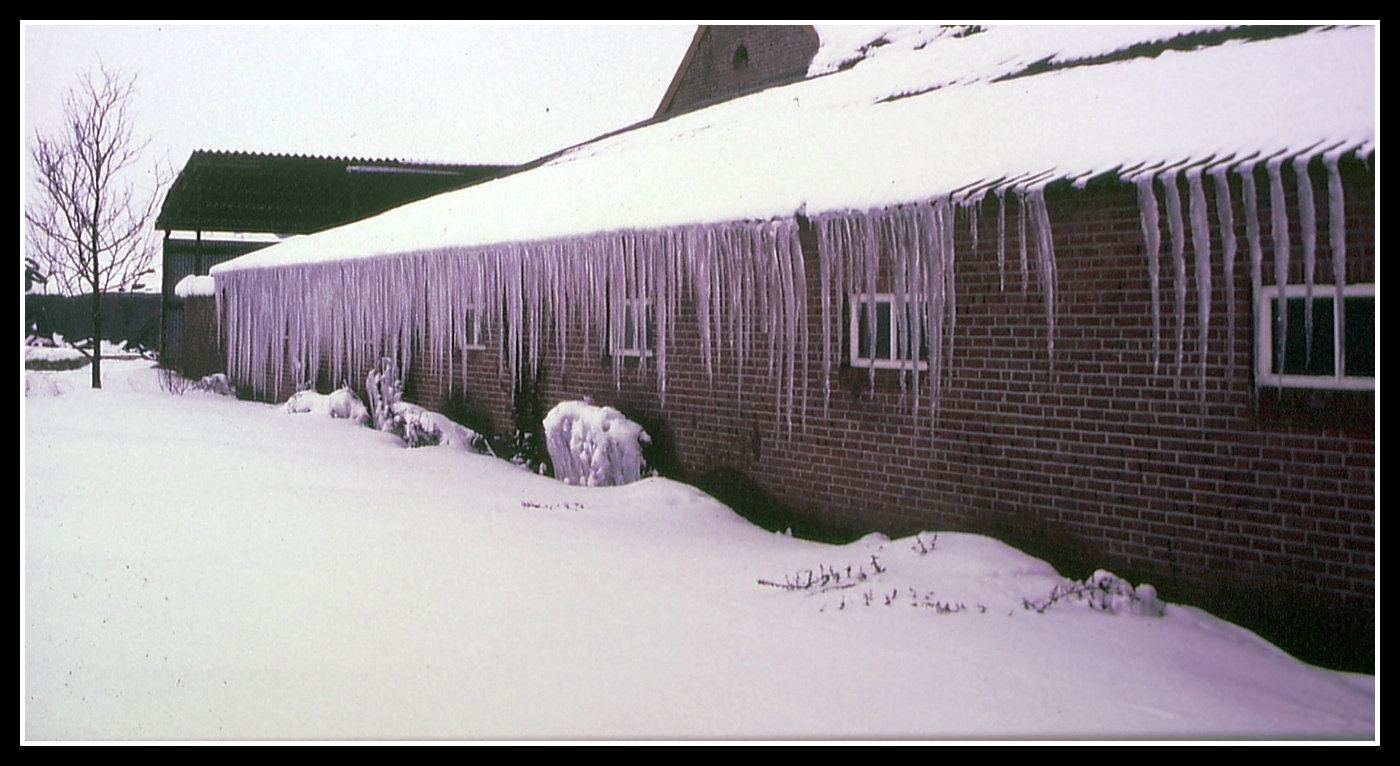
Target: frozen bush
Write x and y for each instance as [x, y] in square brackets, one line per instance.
[594, 446]
[216, 383]
[1105, 592]
[424, 428]
[342, 403]
[345, 404]
[384, 388]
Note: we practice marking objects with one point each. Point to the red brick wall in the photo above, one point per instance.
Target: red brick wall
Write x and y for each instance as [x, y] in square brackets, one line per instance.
[1257, 503]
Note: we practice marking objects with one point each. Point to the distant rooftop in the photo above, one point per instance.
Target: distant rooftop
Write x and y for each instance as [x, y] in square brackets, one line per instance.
[294, 194]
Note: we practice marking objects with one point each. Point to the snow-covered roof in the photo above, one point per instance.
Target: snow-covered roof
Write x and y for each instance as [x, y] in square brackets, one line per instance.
[193, 285]
[914, 114]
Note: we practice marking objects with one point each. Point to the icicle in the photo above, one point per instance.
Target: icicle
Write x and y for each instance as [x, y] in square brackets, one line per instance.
[1001, 242]
[1200, 244]
[1021, 226]
[1225, 214]
[1251, 230]
[950, 302]
[1279, 212]
[799, 289]
[871, 254]
[1152, 244]
[933, 275]
[1307, 221]
[1176, 229]
[913, 279]
[899, 318]
[1337, 237]
[824, 259]
[1045, 258]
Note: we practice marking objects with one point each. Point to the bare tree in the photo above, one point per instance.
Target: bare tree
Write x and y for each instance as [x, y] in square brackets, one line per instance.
[89, 224]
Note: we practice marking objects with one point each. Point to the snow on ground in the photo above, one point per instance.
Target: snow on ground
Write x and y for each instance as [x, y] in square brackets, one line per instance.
[197, 567]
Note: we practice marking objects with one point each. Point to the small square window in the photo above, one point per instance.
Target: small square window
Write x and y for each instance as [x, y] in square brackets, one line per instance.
[1339, 352]
[877, 340]
[638, 330]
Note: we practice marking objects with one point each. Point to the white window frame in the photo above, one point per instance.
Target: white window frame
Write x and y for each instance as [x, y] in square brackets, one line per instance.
[890, 363]
[1264, 338]
[644, 344]
[475, 341]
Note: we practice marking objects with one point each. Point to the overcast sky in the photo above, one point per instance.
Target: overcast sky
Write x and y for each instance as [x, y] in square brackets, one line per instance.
[448, 93]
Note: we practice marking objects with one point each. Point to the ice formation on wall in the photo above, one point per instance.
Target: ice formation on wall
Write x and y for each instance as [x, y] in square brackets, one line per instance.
[1225, 214]
[908, 251]
[1280, 239]
[1337, 240]
[749, 277]
[1152, 237]
[746, 283]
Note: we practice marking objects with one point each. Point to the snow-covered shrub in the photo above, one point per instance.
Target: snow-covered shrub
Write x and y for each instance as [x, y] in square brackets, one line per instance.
[418, 427]
[384, 388]
[594, 446]
[1105, 592]
[216, 384]
[342, 403]
[424, 428]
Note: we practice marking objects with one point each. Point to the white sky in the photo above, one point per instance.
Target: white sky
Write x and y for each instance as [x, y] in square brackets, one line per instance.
[448, 93]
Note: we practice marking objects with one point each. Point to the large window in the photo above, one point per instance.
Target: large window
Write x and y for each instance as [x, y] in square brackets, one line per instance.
[878, 340]
[1338, 353]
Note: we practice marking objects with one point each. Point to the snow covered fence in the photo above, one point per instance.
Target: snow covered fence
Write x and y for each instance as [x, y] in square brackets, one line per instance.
[594, 446]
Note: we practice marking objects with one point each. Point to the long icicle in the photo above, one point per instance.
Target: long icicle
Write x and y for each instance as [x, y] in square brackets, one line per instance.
[1200, 244]
[1152, 244]
[1337, 239]
[1225, 216]
[1176, 228]
[1307, 224]
[1279, 215]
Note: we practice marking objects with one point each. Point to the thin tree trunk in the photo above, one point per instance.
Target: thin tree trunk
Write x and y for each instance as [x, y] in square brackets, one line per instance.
[97, 339]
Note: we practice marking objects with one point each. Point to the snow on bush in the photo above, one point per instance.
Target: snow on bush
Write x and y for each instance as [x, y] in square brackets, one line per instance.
[417, 426]
[384, 388]
[342, 403]
[594, 446]
[216, 384]
[1105, 592]
[423, 428]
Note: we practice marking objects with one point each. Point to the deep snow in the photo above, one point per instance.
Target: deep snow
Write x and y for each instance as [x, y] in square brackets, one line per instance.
[197, 567]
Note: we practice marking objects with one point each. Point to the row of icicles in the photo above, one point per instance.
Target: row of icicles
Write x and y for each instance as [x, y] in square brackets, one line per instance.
[746, 283]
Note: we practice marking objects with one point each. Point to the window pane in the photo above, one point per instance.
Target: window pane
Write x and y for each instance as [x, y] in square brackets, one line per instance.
[629, 329]
[473, 338]
[1297, 357]
[1360, 346]
[868, 333]
[914, 328]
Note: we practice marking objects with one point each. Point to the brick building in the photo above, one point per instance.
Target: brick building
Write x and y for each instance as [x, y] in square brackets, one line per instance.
[1106, 294]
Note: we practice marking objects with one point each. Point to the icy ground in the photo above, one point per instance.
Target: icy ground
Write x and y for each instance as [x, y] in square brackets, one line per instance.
[202, 568]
